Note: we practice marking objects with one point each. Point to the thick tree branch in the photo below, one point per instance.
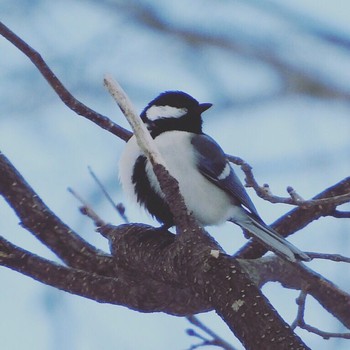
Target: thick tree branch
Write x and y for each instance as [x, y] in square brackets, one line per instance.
[130, 289]
[128, 254]
[218, 279]
[272, 269]
[38, 219]
[76, 253]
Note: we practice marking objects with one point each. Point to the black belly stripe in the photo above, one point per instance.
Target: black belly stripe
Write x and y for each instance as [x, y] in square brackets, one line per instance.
[147, 196]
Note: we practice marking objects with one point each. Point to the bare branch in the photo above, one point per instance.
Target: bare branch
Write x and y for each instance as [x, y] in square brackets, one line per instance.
[67, 98]
[331, 257]
[300, 277]
[309, 25]
[219, 279]
[340, 214]
[143, 293]
[193, 333]
[297, 219]
[87, 210]
[78, 254]
[37, 218]
[118, 207]
[300, 321]
[323, 334]
[216, 339]
[301, 309]
[293, 199]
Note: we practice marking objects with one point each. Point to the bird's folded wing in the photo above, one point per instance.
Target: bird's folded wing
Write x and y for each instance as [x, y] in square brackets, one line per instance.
[212, 163]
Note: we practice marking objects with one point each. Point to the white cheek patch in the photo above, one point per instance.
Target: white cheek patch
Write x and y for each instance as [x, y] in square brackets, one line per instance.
[158, 112]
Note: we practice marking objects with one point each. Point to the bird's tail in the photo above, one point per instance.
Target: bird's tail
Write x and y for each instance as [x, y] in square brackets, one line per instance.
[269, 237]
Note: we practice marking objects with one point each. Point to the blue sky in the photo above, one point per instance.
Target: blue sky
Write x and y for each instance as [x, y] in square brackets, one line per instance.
[291, 132]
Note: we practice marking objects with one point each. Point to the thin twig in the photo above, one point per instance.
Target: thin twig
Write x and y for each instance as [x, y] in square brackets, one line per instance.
[192, 333]
[120, 208]
[87, 210]
[325, 256]
[297, 218]
[300, 321]
[301, 310]
[323, 334]
[293, 199]
[216, 341]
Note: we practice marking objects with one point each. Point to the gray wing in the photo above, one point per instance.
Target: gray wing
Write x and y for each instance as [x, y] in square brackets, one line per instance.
[212, 163]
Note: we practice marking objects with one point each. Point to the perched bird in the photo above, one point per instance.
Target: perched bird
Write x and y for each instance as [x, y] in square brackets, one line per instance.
[209, 185]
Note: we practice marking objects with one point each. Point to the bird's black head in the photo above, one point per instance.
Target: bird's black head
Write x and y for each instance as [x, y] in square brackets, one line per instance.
[174, 110]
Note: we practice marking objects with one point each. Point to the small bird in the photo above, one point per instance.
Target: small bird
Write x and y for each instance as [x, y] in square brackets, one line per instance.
[211, 189]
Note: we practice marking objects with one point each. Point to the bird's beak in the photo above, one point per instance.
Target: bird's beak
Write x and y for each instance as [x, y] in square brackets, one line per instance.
[204, 106]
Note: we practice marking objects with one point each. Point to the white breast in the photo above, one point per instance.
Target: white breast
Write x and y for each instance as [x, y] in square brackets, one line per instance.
[209, 204]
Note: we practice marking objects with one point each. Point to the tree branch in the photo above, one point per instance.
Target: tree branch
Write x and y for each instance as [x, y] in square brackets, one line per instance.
[73, 250]
[340, 214]
[120, 208]
[331, 257]
[49, 229]
[131, 290]
[297, 219]
[216, 339]
[38, 219]
[66, 97]
[294, 198]
[219, 280]
[300, 321]
[272, 269]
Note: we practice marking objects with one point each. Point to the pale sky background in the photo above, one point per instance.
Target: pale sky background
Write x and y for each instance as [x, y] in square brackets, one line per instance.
[292, 133]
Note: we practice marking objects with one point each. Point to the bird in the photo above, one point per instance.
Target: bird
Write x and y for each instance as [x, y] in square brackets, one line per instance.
[209, 185]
